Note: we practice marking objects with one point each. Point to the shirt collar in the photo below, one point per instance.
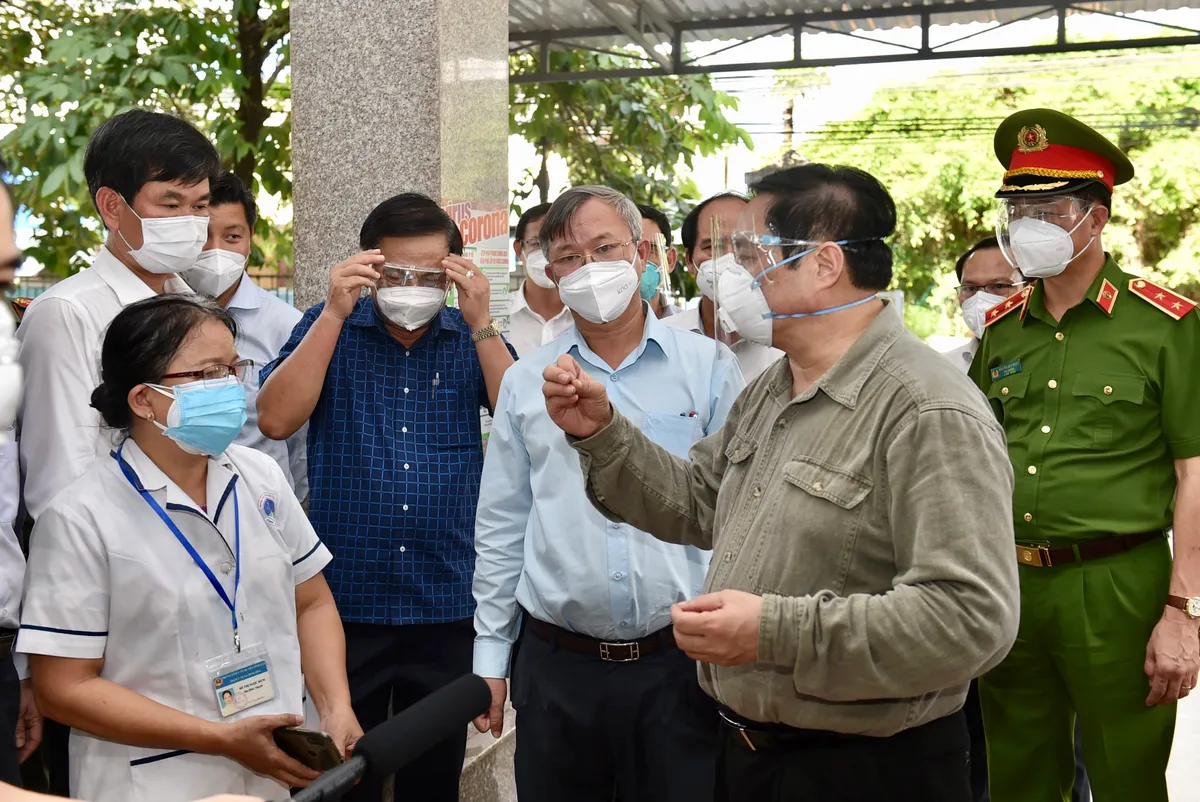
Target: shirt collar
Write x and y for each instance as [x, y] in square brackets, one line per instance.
[690, 319]
[1107, 282]
[844, 381]
[521, 304]
[221, 475]
[248, 294]
[113, 272]
[654, 331]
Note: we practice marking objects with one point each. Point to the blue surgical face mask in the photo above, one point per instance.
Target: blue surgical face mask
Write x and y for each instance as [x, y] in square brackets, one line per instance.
[205, 416]
[651, 279]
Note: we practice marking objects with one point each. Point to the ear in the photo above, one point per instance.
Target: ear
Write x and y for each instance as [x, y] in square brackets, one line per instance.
[110, 205]
[519, 249]
[831, 263]
[139, 401]
[643, 254]
[1098, 219]
[672, 258]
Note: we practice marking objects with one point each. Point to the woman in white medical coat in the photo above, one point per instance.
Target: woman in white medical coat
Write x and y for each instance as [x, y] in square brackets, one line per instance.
[176, 569]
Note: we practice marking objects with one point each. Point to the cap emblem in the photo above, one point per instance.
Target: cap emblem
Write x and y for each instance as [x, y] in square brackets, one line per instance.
[1032, 139]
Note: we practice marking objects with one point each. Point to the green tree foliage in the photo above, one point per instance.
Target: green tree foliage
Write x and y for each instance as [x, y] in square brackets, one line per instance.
[67, 65]
[931, 145]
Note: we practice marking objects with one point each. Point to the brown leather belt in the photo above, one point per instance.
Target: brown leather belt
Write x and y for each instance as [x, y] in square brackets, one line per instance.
[609, 651]
[7, 638]
[1046, 556]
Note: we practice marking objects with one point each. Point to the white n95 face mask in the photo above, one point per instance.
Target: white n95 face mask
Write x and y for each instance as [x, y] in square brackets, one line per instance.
[743, 308]
[975, 309]
[1040, 249]
[410, 307]
[600, 291]
[10, 375]
[215, 271]
[709, 271]
[169, 244]
[535, 269]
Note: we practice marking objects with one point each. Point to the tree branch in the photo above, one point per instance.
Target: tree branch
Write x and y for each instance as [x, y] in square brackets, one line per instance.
[277, 26]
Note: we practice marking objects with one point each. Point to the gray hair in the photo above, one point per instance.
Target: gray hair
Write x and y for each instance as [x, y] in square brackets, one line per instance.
[562, 211]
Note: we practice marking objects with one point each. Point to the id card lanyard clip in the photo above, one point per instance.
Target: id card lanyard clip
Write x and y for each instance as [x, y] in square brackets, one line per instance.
[190, 549]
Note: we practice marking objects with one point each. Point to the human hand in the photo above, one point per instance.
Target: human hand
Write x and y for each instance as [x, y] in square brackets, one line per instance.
[1172, 658]
[493, 719]
[251, 742]
[29, 724]
[343, 727]
[474, 292]
[347, 279]
[576, 402]
[719, 628]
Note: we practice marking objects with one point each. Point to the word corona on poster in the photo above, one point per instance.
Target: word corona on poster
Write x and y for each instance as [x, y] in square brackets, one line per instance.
[484, 228]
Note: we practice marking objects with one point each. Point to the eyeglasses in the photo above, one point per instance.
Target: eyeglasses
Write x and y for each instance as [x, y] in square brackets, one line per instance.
[565, 265]
[968, 290]
[239, 370]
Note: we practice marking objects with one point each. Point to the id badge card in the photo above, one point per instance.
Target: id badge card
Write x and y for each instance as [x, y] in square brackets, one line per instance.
[241, 680]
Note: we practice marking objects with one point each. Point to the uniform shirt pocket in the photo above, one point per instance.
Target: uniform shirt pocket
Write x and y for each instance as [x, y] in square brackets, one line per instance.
[675, 433]
[1105, 398]
[1009, 388]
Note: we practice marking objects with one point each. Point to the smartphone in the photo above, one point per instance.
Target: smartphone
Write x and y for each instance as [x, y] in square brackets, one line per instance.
[313, 748]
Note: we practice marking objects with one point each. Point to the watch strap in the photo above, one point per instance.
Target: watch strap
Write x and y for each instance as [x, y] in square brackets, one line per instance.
[489, 330]
[1180, 603]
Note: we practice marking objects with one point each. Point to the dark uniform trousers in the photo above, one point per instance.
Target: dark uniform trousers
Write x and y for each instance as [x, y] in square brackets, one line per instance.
[398, 666]
[10, 711]
[589, 730]
[928, 763]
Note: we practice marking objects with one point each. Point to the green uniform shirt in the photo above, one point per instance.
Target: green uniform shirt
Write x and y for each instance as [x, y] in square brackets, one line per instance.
[1096, 408]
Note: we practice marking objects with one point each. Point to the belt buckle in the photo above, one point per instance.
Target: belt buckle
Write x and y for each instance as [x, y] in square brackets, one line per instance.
[1038, 556]
[635, 652]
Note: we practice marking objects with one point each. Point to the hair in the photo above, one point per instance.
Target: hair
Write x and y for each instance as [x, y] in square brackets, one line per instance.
[136, 147]
[562, 211]
[4, 183]
[227, 188]
[985, 244]
[657, 217]
[1096, 193]
[690, 230]
[819, 202]
[528, 218]
[409, 214]
[140, 343]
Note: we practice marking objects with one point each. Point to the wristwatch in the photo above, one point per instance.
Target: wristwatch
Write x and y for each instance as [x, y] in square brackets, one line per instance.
[489, 330]
[1190, 606]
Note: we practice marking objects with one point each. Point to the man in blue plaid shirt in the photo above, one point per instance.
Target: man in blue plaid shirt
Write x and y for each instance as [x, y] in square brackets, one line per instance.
[391, 385]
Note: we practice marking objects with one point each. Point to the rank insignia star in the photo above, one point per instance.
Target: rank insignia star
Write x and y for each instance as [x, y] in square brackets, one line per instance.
[1169, 303]
[1018, 301]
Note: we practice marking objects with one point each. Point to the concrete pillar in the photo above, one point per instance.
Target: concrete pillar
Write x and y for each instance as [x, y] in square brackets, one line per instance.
[391, 96]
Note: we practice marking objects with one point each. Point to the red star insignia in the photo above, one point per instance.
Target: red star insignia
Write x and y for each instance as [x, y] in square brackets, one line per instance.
[1008, 304]
[1158, 296]
[1177, 305]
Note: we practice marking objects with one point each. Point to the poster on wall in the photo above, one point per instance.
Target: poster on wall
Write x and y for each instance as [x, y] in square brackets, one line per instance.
[484, 228]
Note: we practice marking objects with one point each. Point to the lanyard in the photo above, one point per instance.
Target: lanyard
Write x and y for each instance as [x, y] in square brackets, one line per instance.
[183, 541]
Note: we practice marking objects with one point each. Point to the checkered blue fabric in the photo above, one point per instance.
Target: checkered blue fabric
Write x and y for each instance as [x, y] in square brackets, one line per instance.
[394, 462]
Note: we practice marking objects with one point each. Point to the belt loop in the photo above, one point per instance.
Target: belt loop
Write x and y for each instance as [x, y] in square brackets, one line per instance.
[1075, 549]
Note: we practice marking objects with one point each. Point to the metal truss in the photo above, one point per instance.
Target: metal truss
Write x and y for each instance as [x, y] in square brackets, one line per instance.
[651, 33]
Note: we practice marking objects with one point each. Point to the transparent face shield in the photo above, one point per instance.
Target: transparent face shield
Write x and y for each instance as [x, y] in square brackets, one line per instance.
[1035, 234]
[658, 257]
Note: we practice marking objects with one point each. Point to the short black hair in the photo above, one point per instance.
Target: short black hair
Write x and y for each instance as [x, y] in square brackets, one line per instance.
[658, 218]
[985, 244]
[136, 147]
[228, 188]
[819, 202]
[140, 343]
[409, 214]
[689, 231]
[1096, 193]
[528, 218]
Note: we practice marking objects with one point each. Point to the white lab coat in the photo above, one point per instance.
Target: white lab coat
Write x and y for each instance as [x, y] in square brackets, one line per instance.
[108, 579]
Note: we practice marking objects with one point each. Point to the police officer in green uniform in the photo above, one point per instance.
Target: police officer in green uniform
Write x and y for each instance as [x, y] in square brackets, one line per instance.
[1095, 376]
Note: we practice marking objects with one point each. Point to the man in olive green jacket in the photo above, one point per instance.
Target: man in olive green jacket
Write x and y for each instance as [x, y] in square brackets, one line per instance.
[858, 504]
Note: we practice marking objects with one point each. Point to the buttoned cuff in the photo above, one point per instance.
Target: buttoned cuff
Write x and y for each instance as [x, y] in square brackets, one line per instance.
[779, 626]
[606, 445]
[492, 658]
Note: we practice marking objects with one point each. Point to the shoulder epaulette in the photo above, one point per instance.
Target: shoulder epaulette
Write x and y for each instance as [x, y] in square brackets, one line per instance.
[1018, 301]
[19, 305]
[1170, 303]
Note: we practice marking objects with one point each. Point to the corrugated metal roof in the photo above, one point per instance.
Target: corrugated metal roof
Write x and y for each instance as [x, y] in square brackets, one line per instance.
[608, 22]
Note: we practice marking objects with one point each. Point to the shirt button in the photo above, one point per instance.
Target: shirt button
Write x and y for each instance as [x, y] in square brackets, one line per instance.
[405, 508]
[401, 549]
[1107, 390]
[728, 556]
[1003, 391]
[613, 524]
[406, 466]
[1045, 430]
[624, 623]
[757, 492]
[818, 486]
[615, 378]
[1032, 470]
[407, 353]
[404, 430]
[1051, 384]
[1058, 335]
[1028, 517]
[618, 575]
[406, 391]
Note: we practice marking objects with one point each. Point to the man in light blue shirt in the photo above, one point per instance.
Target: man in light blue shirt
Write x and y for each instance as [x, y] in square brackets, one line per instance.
[577, 607]
[264, 321]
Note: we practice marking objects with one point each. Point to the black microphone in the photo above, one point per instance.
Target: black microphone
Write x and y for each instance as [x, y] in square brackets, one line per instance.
[404, 737]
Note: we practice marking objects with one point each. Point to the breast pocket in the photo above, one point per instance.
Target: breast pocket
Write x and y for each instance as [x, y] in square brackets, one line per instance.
[1010, 388]
[675, 433]
[1102, 398]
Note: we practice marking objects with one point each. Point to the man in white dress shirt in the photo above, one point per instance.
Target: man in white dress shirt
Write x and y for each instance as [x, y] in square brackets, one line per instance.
[985, 278]
[264, 321]
[696, 234]
[18, 712]
[538, 315]
[148, 175]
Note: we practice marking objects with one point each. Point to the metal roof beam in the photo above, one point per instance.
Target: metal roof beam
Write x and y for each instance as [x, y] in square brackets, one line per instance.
[629, 29]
